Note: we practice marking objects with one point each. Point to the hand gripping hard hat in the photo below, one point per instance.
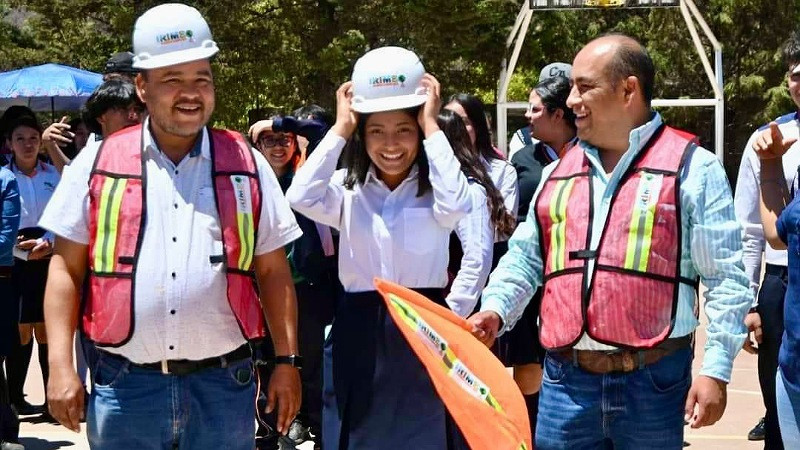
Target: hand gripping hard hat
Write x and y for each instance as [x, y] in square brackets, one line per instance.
[387, 78]
[169, 34]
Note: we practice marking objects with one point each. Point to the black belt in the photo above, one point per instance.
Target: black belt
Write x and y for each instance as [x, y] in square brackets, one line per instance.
[5, 271]
[778, 271]
[185, 366]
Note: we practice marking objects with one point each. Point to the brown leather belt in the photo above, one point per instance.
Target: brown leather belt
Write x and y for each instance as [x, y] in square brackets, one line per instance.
[621, 361]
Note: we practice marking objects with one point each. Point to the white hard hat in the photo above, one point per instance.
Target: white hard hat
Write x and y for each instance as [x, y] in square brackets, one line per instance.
[169, 34]
[386, 79]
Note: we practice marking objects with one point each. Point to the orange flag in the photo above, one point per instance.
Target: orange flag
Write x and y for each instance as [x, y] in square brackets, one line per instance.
[477, 390]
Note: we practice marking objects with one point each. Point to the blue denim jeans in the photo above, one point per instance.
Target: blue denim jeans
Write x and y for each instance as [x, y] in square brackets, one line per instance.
[642, 409]
[135, 408]
[788, 401]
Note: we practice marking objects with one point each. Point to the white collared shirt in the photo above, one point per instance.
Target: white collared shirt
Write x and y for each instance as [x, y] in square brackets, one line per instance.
[476, 233]
[747, 201]
[504, 177]
[185, 316]
[34, 192]
[392, 234]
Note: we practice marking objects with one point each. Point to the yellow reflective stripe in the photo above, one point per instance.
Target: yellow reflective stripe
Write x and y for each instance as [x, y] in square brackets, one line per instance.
[244, 222]
[455, 368]
[108, 223]
[558, 230]
[640, 234]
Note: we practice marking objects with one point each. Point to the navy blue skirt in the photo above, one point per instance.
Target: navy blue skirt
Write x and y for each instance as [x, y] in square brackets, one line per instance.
[376, 393]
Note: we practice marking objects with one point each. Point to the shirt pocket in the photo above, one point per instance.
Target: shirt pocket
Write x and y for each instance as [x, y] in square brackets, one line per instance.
[206, 216]
[420, 231]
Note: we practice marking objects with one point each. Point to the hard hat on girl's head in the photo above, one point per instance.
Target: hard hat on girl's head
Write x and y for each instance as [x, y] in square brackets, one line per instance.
[386, 79]
[170, 34]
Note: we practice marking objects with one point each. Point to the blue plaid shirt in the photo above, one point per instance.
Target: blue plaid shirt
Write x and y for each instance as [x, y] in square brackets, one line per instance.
[711, 249]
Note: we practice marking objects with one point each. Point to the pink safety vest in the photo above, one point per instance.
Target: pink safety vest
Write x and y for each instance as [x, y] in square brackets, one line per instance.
[632, 298]
[118, 213]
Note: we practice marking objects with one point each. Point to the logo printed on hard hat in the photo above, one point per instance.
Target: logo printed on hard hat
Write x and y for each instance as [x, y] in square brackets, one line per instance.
[387, 80]
[175, 37]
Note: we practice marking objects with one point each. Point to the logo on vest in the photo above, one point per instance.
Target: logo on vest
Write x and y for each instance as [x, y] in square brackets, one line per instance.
[241, 189]
[649, 189]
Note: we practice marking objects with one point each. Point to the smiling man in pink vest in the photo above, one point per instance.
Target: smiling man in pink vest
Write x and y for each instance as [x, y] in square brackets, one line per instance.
[180, 229]
[618, 235]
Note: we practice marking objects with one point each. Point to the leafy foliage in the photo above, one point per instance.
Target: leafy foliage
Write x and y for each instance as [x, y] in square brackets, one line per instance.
[279, 54]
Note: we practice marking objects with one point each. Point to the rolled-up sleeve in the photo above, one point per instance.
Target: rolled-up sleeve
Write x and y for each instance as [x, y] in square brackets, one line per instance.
[716, 252]
[451, 197]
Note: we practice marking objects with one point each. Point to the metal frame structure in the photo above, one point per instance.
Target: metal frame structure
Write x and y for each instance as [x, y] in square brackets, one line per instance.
[690, 14]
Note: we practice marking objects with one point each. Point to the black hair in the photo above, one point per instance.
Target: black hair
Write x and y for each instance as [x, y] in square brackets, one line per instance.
[455, 129]
[475, 108]
[69, 150]
[632, 59]
[791, 50]
[116, 93]
[23, 121]
[357, 162]
[10, 115]
[315, 111]
[554, 92]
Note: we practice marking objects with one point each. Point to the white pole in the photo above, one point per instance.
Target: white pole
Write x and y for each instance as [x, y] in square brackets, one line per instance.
[698, 44]
[506, 73]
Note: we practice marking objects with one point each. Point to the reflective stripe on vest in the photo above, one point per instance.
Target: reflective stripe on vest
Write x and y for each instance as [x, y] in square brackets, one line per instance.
[107, 224]
[558, 230]
[117, 216]
[624, 292]
[244, 221]
[642, 217]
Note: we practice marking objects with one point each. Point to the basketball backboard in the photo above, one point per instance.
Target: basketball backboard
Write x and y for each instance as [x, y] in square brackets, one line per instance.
[583, 4]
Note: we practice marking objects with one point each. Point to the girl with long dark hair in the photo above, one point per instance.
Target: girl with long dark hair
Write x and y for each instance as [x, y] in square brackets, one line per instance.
[471, 246]
[471, 109]
[395, 204]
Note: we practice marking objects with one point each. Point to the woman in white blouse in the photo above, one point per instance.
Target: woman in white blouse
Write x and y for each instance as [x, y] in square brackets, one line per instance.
[395, 204]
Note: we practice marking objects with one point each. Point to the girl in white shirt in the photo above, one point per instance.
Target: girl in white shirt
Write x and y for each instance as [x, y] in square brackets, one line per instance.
[37, 181]
[395, 204]
[471, 246]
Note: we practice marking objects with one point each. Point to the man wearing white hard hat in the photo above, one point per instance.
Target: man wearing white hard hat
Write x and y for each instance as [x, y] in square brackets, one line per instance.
[395, 204]
[182, 229]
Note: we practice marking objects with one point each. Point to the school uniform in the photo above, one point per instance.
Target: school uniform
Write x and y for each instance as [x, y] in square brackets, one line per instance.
[376, 392]
[30, 276]
[471, 250]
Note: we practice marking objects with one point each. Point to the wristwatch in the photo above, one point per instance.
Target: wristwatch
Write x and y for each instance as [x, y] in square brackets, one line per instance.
[292, 360]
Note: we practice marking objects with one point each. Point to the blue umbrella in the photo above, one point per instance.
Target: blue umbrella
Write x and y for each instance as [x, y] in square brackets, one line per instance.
[47, 87]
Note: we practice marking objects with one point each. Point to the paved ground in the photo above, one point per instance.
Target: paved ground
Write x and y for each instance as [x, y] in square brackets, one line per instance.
[745, 407]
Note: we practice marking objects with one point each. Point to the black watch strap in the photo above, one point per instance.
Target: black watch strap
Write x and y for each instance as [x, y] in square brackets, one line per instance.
[292, 360]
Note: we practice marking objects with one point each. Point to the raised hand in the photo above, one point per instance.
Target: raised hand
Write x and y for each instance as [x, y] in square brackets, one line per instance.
[58, 133]
[430, 110]
[770, 144]
[346, 118]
